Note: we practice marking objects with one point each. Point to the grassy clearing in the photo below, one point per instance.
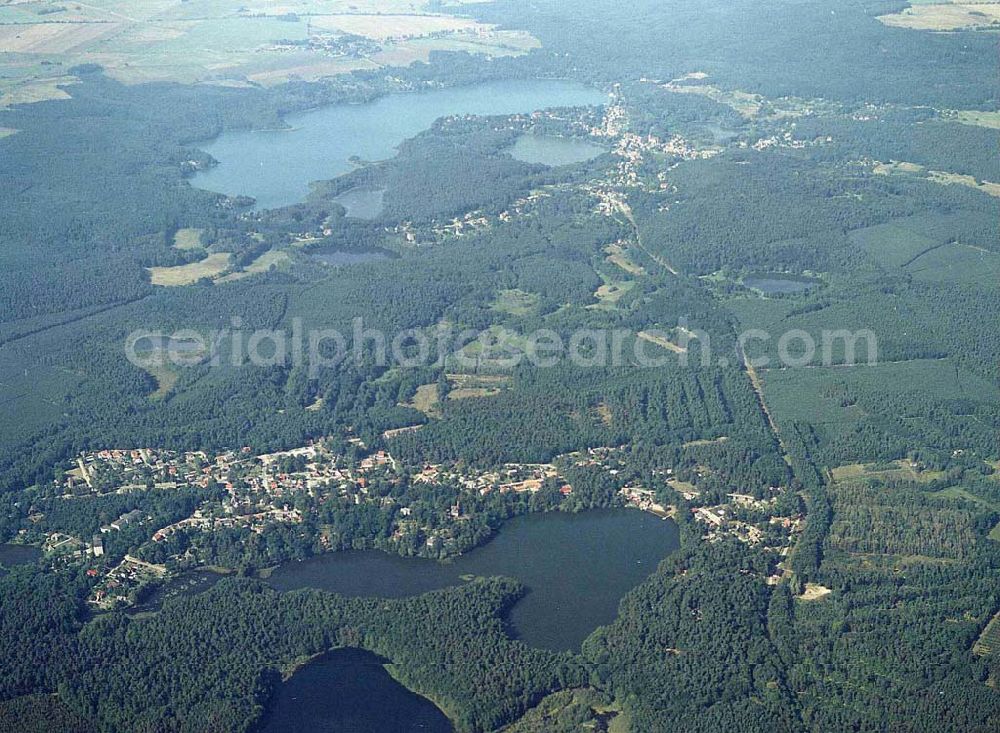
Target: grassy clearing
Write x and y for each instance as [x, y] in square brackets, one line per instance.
[700, 443]
[7, 132]
[426, 400]
[946, 179]
[945, 17]
[814, 591]
[901, 469]
[988, 642]
[271, 258]
[166, 379]
[943, 178]
[515, 302]
[662, 342]
[472, 386]
[611, 292]
[618, 256]
[31, 90]
[187, 239]
[748, 105]
[210, 267]
[977, 118]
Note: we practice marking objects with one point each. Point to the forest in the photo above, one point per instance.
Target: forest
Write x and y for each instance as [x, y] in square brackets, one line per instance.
[789, 141]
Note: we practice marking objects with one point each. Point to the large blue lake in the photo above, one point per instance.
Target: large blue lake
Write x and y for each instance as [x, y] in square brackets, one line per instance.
[276, 167]
[576, 567]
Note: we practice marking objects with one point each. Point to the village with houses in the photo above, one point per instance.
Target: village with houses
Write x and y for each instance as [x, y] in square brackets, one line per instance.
[260, 492]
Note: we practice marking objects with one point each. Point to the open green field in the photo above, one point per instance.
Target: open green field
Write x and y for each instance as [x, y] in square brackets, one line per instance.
[817, 395]
[899, 242]
[896, 470]
[958, 263]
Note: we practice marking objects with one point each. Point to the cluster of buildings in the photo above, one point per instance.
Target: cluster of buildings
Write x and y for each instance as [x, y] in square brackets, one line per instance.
[512, 477]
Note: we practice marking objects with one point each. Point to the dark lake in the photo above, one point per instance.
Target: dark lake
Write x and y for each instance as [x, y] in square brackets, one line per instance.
[349, 691]
[554, 151]
[18, 554]
[276, 167]
[362, 203]
[777, 283]
[577, 567]
[189, 583]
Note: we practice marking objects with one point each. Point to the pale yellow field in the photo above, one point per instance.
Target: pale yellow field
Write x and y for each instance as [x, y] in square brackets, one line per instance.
[30, 90]
[993, 189]
[187, 238]
[385, 27]
[227, 41]
[814, 591]
[945, 16]
[211, 266]
[661, 342]
[610, 293]
[7, 132]
[426, 400]
[52, 38]
[166, 378]
[943, 178]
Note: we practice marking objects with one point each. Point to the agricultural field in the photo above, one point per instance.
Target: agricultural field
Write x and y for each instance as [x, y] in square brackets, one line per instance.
[874, 413]
[943, 178]
[988, 642]
[946, 16]
[901, 469]
[619, 256]
[899, 242]
[226, 42]
[975, 117]
[187, 239]
[210, 267]
[958, 263]
[272, 258]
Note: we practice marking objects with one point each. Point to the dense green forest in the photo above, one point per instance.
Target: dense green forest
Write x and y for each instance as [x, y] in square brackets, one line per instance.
[791, 141]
